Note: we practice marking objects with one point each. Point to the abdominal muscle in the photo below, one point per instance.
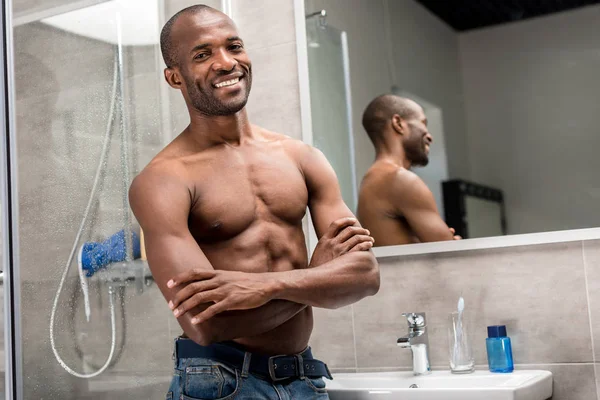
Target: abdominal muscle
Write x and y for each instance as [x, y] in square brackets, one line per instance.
[279, 252]
[289, 338]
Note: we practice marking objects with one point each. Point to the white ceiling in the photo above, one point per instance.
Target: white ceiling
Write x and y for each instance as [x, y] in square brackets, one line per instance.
[138, 21]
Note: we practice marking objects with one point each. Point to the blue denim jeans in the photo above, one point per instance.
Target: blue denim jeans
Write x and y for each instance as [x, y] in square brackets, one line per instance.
[208, 379]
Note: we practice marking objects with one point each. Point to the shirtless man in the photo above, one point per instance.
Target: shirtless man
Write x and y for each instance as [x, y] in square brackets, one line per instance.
[221, 208]
[394, 203]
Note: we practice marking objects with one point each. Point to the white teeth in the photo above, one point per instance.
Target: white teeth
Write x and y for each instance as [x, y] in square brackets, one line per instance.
[228, 83]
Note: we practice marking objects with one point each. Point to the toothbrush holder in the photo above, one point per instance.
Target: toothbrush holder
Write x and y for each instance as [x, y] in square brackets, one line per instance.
[459, 348]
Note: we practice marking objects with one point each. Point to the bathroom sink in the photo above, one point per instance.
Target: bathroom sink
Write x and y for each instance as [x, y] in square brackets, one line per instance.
[441, 385]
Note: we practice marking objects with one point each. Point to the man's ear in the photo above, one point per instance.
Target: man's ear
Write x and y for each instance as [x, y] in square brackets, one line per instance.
[173, 78]
[398, 124]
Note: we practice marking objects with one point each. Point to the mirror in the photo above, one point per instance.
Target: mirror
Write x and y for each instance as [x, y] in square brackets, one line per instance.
[510, 93]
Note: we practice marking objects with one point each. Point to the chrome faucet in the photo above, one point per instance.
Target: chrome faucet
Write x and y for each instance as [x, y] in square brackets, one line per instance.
[417, 341]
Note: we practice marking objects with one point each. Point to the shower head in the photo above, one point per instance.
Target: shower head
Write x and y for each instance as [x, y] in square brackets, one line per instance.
[322, 17]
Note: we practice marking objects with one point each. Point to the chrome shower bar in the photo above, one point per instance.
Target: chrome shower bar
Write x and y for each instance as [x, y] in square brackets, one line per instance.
[322, 14]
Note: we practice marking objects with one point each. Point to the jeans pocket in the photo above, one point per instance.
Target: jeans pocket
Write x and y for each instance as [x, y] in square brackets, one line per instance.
[316, 384]
[210, 382]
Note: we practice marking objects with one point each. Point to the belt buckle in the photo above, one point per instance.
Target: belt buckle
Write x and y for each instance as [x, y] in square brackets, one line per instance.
[272, 368]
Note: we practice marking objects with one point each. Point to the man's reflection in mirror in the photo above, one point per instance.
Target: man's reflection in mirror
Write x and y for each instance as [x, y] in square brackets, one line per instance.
[394, 204]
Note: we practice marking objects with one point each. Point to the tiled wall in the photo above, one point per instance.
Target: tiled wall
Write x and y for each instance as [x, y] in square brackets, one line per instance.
[548, 296]
[268, 30]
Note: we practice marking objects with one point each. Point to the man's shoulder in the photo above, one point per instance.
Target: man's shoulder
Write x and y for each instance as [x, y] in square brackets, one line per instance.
[160, 175]
[284, 140]
[295, 148]
[409, 189]
[390, 174]
[406, 177]
[399, 182]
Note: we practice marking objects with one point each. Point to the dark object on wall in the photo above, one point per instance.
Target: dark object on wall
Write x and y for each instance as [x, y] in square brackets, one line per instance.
[474, 210]
[463, 15]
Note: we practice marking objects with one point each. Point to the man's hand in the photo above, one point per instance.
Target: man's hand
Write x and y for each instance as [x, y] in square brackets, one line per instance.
[454, 235]
[228, 290]
[341, 237]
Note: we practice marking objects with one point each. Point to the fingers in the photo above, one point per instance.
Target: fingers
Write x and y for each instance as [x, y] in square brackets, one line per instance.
[362, 246]
[189, 291]
[209, 312]
[452, 231]
[192, 275]
[359, 239]
[338, 225]
[351, 231]
[196, 300]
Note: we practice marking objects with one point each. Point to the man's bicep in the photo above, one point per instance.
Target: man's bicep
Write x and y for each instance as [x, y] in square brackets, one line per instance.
[171, 254]
[428, 226]
[417, 205]
[161, 207]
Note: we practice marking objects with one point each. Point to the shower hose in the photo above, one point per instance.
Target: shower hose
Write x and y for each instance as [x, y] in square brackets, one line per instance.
[82, 279]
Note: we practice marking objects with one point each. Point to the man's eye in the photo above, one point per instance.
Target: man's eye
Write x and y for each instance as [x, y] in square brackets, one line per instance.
[235, 47]
[201, 56]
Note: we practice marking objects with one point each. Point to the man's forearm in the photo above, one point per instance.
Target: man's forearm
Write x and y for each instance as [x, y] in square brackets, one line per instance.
[239, 323]
[337, 283]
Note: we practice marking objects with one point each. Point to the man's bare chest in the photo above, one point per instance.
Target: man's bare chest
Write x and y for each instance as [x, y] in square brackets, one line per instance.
[233, 192]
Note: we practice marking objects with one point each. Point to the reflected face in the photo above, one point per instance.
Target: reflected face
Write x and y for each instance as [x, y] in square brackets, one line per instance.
[418, 139]
[214, 66]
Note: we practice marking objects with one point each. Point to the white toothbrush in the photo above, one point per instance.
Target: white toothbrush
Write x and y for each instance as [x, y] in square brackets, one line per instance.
[457, 343]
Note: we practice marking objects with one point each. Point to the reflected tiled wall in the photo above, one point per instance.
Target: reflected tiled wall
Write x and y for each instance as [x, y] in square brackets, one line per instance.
[548, 296]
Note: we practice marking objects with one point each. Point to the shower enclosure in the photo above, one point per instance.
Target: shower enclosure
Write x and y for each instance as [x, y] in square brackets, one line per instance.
[85, 108]
[330, 100]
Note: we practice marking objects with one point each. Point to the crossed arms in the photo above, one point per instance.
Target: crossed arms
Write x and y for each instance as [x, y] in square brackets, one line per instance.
[215, 305]
[414, 201]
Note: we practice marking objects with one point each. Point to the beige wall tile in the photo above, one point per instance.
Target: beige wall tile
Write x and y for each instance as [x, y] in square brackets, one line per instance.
[174, 6]
[597, 372]
[570, 381]
[516, 287]
[274, 101]
[251, 22]
[333, 337]
[591, 256]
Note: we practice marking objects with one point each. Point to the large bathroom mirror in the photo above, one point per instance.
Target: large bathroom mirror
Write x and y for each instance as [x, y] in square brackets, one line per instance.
[510, 90]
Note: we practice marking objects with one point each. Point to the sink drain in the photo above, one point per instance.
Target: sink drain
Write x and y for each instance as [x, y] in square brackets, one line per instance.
[414, 385]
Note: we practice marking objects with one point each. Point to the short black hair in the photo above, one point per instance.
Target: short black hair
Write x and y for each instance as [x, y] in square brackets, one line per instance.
[381, 110]
[167, 48]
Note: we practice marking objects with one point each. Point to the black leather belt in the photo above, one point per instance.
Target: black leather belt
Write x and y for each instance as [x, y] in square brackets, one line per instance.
[276, 368]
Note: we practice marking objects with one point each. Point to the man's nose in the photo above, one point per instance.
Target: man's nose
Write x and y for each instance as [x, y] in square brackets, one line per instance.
[224, 61]
[429, 138]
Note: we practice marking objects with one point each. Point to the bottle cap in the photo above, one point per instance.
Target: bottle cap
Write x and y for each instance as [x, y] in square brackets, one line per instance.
[495, 331]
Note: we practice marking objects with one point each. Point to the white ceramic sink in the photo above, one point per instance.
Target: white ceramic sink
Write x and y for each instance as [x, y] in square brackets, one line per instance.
[441, 385]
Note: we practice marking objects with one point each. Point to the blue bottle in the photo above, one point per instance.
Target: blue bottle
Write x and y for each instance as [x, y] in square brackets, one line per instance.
[499, 350]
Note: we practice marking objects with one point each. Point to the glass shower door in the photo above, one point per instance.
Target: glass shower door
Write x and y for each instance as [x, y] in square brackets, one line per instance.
[9, 350]
[87, 111]
[91, 109]
[330, 101]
